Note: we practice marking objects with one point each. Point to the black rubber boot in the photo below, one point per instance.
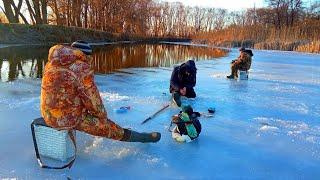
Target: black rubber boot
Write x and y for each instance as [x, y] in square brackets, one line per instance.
[133, 136]
[230, 77]
[176, 98]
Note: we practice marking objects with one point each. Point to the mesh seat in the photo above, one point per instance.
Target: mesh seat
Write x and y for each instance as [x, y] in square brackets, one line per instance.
[52, 143]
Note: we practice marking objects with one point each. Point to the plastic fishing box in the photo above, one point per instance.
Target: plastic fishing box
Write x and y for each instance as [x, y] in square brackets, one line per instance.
[243, 75]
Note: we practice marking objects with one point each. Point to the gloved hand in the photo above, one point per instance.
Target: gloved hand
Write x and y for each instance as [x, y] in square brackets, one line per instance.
[133, 136]
[176, 98]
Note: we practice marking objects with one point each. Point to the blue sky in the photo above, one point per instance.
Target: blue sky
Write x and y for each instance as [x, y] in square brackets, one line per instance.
[225, 4]
[229, 4]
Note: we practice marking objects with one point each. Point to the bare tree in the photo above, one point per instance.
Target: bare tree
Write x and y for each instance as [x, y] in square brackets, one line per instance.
[12, 11]
[38, 11]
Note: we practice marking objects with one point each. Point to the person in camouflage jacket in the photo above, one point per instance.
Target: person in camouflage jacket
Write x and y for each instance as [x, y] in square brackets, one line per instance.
[71, 100]
[243, 63]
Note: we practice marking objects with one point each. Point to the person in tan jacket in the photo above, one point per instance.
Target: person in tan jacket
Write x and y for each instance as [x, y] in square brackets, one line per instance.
[71, 100]
[243, 63]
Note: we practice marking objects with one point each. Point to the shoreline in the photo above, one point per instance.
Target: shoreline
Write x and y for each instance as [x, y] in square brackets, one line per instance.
[46, 35]
[97, 44]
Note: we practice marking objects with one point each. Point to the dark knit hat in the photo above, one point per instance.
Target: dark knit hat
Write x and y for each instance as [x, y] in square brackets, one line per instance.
[242, 49]
[249, 52]
[82, 46]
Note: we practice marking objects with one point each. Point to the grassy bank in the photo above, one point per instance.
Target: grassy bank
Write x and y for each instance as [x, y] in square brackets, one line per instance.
[302, 37]
[50, 34]
[298, 45]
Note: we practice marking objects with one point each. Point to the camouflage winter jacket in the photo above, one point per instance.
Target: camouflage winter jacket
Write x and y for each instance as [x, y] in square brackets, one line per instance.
[244, 61]
[68, 90]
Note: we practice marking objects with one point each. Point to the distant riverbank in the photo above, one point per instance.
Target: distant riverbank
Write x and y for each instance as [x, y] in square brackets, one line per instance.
[51, 34]
[21, 34]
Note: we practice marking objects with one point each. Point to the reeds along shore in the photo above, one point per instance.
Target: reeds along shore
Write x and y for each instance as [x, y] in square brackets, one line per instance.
[302, 38]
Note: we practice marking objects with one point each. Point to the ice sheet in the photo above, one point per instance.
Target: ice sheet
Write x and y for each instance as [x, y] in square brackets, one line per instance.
[266, 127]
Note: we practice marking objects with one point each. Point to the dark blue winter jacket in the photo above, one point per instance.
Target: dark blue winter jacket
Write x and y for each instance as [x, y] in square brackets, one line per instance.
[179, 77]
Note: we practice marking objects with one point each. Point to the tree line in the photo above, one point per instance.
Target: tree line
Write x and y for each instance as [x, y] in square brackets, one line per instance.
[283, 25]
[280, 19]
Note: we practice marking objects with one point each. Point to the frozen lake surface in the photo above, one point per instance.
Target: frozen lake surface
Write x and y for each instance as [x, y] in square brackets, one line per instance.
[264, 128]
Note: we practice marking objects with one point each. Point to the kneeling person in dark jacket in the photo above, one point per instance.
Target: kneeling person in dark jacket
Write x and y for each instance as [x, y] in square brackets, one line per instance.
[183, 80]
[188, 126]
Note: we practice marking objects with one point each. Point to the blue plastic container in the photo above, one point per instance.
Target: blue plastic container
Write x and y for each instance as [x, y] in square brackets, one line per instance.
[243, 75]
[122, 109]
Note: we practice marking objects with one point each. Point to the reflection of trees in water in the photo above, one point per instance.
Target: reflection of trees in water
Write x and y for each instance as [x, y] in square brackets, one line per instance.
[110, 58]
[36, 67]
[1, 62]
[27, 61]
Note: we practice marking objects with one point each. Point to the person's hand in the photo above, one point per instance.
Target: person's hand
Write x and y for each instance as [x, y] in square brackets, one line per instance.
[175, 119]
[183, 91]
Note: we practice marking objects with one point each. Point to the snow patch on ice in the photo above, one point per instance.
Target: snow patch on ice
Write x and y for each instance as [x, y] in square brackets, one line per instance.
[33, 102]
[109, 152]
[219, 74]
[9, 178]
[268, 128]
[153, 160]
[312, 139]
[297, 129]
[283, 79]
[294, 106]
[286, 89]
[113, 96]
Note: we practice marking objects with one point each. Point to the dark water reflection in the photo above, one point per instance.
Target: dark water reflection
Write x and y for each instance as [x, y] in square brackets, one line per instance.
[29, 61]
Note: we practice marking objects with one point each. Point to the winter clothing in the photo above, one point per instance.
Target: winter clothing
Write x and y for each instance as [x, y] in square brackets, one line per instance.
[243, 63]
[176, 98]
[248, 51]
[82, 46]
[71, 100]
[184, 76]
[187, 123]
[68, 92]
[132, 136]
[242, 49]
[69, 96]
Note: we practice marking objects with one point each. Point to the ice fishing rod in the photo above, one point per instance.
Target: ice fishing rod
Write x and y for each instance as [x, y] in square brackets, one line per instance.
[210, 113]
[211, 110]
[153, 115]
